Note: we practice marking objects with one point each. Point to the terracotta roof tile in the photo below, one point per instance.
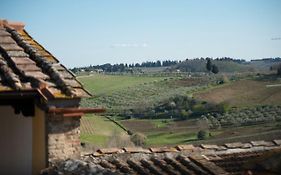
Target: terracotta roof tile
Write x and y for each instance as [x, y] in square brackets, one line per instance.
[28, 67]
[262, 143]
[65, 74]
[36, 74]
[80, 92]
[6, 40]
[73, 83]
[185, 147]
[15, 25]
[4, 33]
[208, 166]
[59, 67]
[163, 149]
[110, 150]
[11, 47]
[178, 166]
[166, 167]
[212, 159]
[237, 145]
[206, 146]
[28, 64]
[16, 53]
[136, 150]
[151, 167]
[138, 167]
[22, 60]
[277, 142]
[8, 75]
[106, 164]
[191, 165]
[96, 154]
[124, 168]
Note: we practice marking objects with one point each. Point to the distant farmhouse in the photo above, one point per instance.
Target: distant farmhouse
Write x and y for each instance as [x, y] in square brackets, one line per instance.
[39, 104]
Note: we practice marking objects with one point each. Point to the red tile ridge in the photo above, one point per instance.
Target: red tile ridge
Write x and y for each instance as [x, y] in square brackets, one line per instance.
[189, 147]
[163, 149]
[136, 150]
[12, 24]
[204, 149]
[110, 150]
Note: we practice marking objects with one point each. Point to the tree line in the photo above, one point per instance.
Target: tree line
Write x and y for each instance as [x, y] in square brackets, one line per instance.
[188, 64]
[125, 67]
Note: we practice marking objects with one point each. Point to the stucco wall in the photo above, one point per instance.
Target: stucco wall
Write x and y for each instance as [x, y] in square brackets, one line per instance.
[15, 142]
[39, 159]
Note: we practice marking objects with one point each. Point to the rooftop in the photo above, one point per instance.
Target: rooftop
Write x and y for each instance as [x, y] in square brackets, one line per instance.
[26, 66]
[261, 157]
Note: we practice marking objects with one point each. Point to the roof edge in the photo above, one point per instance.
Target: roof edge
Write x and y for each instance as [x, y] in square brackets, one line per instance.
[12, 24]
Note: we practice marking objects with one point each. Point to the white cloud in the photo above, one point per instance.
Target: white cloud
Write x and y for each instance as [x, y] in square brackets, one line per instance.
[129, 45]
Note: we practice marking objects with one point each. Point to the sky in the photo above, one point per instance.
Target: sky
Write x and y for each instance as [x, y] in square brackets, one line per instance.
[84, 32]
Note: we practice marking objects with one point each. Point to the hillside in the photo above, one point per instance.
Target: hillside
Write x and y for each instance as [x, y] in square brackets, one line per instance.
[244, 93]
[101, 131]
[105, 85]
[266, 63]
[199, 65]
[168, 110]
[121, 94]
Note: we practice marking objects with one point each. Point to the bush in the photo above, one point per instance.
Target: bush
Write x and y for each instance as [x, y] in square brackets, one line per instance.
[138, 139]
[129, 132]
[203, 134]
[223, 107]
[279, 70]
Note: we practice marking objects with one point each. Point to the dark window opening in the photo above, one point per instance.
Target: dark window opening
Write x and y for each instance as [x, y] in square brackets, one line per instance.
[21, 106]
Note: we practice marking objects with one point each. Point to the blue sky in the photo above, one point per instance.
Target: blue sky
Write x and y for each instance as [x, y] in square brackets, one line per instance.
[95, 32]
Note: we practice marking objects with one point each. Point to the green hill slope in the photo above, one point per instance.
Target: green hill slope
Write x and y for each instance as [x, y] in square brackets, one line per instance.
[199, 65]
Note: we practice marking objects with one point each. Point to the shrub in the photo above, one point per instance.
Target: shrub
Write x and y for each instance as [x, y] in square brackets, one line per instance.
[279, 70]
[202, 134]
[223, 107]
[184, 114]
[130, 132]
[116, 140]
[138, 139]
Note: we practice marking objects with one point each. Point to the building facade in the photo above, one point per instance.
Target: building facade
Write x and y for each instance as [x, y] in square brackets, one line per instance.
[39, 104]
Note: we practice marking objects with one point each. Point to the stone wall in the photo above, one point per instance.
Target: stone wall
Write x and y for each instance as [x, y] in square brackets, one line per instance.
[63, 137]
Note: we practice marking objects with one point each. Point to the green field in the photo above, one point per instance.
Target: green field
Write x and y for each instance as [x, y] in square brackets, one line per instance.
[100, 84]
[158, 139]
[98, 130]
[122, 92]
[118, 93]
[244, 93]
[170, 133]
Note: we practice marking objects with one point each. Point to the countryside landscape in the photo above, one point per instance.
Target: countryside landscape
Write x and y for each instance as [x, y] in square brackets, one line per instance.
[159, 106]
[150, 87]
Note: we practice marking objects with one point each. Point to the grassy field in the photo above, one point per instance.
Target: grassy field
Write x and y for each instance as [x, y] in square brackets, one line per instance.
[119, 93]
[184, 132]
[244, 93]
[100, 84]
[98, 130]
[126, 92]
[160, 139]
[161, 132]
